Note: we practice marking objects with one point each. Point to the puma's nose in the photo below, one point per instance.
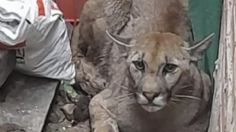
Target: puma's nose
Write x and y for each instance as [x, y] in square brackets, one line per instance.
[150, 96]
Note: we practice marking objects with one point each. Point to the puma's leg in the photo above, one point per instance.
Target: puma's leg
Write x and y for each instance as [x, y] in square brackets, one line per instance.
[109, 125]
[102, 119]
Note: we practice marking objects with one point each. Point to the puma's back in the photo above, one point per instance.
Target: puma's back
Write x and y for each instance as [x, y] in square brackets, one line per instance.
[132, 18]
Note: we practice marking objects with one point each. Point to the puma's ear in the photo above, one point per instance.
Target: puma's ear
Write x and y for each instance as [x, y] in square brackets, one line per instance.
[121, 41]
[197, 50]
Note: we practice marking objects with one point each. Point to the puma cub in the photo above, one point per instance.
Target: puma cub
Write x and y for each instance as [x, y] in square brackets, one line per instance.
[143, 50]
[161, 89]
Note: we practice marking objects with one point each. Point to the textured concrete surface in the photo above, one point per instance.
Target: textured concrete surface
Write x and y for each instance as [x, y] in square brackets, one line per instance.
[7, 63]
[26, 101]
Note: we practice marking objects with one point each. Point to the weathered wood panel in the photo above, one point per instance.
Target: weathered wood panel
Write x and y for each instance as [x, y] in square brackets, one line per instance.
[223, 118]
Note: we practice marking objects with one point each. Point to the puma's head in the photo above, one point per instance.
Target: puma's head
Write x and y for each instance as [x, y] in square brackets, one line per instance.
[163, 69]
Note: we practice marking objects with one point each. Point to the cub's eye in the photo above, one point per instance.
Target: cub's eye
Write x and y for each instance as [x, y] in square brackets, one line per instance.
[170, 68]
[139, 65]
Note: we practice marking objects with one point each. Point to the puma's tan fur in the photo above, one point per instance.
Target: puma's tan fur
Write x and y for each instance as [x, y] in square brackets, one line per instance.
[128, 18]
[153, 101]
[152, 83]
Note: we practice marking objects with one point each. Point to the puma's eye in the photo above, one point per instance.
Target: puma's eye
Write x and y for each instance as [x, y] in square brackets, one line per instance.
[139, 65]
[170, 68]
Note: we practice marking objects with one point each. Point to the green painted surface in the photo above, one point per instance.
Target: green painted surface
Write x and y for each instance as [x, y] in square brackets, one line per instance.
[205, 16]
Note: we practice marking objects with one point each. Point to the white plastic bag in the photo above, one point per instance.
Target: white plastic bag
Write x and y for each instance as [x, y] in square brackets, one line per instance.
[36, 29]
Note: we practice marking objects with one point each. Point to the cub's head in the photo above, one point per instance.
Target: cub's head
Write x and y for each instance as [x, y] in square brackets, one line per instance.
[163, 69]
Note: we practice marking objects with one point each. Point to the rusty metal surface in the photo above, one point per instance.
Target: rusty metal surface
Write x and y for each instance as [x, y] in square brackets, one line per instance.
[27, 101]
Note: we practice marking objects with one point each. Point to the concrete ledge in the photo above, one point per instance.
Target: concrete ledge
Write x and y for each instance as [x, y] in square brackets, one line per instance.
[26, 101]
[7, 63]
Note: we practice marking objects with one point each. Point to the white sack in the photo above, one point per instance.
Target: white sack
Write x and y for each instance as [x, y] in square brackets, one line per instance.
[39, 25]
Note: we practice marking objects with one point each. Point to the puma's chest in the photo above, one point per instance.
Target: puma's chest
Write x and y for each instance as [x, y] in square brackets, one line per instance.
[176, 118]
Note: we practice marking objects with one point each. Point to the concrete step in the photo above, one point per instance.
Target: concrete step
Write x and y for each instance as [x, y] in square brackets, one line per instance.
[25, 101]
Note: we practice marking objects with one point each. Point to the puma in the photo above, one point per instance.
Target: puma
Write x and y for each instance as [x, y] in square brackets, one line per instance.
[94, 53]
[143, 52]
[160, 90]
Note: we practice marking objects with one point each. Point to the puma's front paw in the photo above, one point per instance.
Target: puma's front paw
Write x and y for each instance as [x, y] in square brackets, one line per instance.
[107, 128]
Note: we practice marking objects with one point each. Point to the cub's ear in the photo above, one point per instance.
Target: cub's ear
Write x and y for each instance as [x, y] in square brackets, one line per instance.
[198, 49]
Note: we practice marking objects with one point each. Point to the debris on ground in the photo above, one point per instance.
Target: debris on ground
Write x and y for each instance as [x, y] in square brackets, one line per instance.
[69, 112]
